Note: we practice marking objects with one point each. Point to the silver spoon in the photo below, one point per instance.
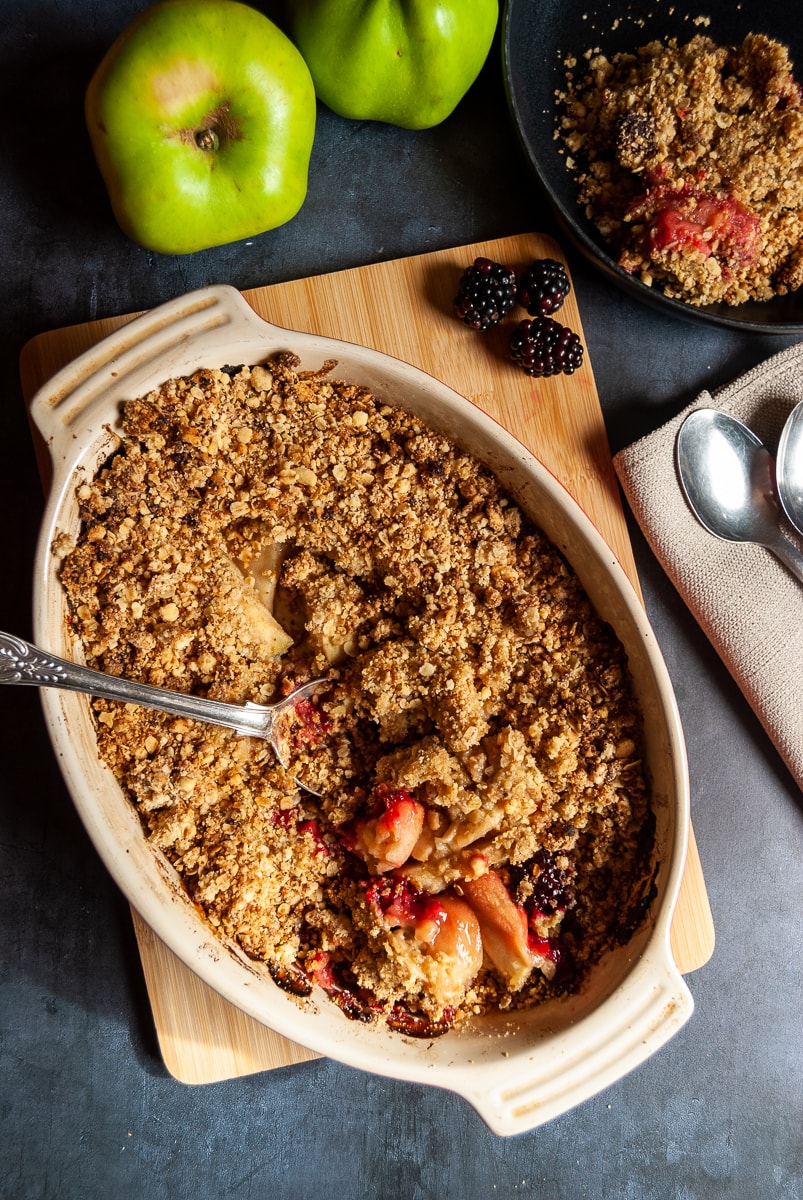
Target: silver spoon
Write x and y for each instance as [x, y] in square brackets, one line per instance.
[21, 662]
[727, 475]
[789, 468]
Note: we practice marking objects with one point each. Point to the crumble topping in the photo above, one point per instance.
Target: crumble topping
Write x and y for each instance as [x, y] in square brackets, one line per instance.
[689, 161]
[481, 830]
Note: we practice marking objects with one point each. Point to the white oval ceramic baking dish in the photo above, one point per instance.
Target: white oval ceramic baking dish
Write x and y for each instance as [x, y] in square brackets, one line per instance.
[518, 1070]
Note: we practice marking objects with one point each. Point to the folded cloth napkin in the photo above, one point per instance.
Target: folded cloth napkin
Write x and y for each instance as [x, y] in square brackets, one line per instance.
[746, 601]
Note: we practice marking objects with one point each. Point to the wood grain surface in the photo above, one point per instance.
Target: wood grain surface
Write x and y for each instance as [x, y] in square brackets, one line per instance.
[404, 308]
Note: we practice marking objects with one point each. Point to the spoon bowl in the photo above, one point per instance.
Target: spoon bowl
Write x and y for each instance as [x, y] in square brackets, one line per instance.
[789, 471]
[727, 475]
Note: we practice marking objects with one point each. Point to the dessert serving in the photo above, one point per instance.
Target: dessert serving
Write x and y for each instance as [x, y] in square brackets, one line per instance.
[688, 159]
[462, 824]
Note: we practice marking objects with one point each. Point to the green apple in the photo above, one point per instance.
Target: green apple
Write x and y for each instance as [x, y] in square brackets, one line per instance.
[202, 119]
[405, 62]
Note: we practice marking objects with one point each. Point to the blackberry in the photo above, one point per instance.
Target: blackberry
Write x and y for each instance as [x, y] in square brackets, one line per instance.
[543, 347]
[487, 293]
[543, 286]
[551, 890]
[635, 139]
[542, 888]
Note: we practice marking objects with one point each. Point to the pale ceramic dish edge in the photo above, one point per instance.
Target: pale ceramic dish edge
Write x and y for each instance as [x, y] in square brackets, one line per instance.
[517, 1070]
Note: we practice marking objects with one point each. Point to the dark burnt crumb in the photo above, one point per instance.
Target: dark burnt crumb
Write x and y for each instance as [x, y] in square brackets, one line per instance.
[476, 747]
[418, 1026]
[290, 980]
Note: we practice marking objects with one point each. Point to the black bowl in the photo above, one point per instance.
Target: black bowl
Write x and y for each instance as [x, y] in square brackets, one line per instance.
[537, 35]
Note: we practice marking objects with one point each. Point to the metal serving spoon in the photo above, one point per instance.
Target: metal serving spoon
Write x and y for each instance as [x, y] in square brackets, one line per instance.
[727, 475]
[789, 467]
[20, 662]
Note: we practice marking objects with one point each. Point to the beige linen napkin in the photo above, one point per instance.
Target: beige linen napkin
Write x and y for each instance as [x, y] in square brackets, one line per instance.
[745, 600]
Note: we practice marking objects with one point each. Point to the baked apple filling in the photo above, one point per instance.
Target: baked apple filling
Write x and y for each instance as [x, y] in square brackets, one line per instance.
[475, 830]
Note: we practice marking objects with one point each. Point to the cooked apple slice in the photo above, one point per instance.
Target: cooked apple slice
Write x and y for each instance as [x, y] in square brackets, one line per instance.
[436, 940]
[447, 925]
[267, 630]
[386, 841]
[503, 925]
[264, 570]
[262, 626]
[256, 584]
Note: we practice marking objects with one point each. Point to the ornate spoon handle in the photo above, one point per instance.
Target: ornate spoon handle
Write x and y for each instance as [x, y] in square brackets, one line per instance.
[22, 663]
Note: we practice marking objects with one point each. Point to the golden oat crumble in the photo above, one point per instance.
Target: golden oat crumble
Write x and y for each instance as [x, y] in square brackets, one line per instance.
[482, 831]
[689, 161]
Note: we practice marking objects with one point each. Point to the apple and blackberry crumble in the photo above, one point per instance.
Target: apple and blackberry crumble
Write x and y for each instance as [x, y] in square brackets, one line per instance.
[689, 161]
[476, 828]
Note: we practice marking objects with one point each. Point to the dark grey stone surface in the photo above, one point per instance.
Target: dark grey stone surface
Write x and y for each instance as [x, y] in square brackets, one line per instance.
[87, 1109]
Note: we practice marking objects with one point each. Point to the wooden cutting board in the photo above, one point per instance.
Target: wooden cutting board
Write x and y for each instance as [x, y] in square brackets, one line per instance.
[403, 308]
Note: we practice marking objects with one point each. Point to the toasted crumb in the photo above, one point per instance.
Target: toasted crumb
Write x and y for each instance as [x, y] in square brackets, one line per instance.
[262, 526]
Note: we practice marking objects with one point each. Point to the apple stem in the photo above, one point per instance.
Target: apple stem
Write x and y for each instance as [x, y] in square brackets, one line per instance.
[207, 139]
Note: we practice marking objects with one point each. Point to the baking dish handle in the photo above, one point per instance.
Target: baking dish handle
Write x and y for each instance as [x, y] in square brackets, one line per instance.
[112, 370]
[644, 1013]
